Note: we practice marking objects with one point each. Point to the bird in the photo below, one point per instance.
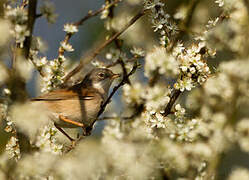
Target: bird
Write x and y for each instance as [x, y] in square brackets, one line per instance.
[78, 105]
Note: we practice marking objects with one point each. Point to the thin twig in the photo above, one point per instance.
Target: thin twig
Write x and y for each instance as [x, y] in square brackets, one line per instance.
[81, 21]
[102, 46]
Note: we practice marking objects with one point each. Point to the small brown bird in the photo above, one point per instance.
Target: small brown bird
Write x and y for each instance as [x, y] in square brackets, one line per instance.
[78, 106]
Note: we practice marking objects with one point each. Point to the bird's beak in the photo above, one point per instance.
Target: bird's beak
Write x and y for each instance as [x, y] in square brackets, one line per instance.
[114, 76]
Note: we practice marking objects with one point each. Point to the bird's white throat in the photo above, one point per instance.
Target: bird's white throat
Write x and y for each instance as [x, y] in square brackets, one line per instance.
[103, 86]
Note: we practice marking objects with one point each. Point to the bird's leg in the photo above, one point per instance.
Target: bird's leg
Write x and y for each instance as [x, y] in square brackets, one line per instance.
[87, 131]
[63, 132]
[63, 118]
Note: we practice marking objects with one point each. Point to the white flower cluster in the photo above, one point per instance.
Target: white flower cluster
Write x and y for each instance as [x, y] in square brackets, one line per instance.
[156, 98]
[67, 47]
[19, 17]
[159, 59]
[105, 13]
[179, 111]
[46, 141]
[156, 120]
[194, 69]
[160, 21]
[113, 129]
[54, 71]
[137, 52]
[13, 149]
[132, 94]
[177, 128]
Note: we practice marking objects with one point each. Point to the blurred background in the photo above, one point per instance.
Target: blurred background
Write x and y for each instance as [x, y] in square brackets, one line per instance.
[93, 31]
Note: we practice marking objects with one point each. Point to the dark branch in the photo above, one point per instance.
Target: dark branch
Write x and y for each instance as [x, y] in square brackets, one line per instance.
[31, 22]
[172, 100]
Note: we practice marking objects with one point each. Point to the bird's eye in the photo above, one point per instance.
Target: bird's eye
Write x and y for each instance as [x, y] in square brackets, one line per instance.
[101, 75]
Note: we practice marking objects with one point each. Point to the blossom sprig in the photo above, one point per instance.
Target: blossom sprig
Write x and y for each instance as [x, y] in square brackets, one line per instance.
[66, 46]
[194, 69]
[138, 52]
[12, 147]
[161, 21]
[18, 16]
[47, 142]
[179, 111]
[155, 120]
[177, 128]
[54, 71]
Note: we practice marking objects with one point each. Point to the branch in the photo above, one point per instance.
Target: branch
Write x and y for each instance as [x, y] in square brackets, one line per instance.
[172, 100]
[102, 46]
[81, 21]
[30, 26]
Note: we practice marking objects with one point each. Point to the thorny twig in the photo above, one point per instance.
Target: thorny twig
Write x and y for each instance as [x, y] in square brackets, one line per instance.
[102, 46]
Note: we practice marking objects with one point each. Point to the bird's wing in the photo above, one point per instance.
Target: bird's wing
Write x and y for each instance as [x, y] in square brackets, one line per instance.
[64, 94]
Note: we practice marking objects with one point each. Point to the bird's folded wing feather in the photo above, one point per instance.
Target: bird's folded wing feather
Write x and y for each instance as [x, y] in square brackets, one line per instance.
[64, 94]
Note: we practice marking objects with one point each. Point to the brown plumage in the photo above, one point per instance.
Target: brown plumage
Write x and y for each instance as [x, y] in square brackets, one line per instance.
[81, 102]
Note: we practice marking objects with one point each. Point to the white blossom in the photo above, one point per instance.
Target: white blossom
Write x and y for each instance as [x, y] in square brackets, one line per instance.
[12, 148]
[220, 2]
[158, 58]
[70, 28]
[67, 47]
[46, 141]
